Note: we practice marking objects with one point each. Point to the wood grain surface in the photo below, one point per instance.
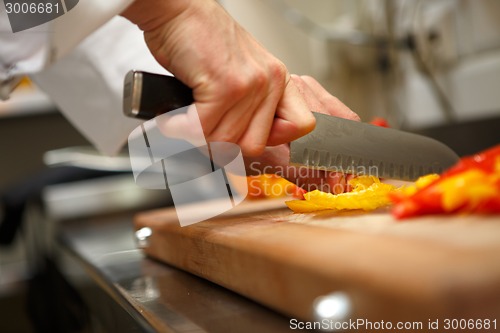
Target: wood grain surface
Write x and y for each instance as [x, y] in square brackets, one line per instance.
[418, 269]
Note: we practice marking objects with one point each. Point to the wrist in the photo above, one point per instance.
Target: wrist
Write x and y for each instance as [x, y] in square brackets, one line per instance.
[150, 14]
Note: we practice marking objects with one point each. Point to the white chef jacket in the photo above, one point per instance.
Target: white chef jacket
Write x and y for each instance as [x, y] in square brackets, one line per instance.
[80, 60]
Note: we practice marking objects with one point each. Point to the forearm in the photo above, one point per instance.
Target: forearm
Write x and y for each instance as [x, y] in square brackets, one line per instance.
[151, 14]
[181, 32]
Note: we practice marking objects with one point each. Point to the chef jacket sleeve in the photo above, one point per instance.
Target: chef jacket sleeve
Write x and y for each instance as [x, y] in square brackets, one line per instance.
[91, 50]
[20, 53]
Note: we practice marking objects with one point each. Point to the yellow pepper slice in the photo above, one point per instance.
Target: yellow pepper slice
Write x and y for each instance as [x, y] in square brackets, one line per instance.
[470, 187]
[368, 194]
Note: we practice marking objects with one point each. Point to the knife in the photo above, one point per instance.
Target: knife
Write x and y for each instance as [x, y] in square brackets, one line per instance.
[335, 144]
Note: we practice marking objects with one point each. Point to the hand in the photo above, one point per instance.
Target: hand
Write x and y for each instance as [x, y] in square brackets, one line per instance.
[276, 159]
[243, 94]
[241, 91]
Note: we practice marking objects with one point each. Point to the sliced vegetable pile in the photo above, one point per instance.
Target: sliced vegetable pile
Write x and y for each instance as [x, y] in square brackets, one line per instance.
[368, 193]
[471, 186]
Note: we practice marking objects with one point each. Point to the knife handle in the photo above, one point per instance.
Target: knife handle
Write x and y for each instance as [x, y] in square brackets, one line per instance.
[147, 95]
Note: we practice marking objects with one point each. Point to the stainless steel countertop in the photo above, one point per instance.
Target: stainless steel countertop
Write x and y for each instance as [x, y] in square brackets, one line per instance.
[130, 292]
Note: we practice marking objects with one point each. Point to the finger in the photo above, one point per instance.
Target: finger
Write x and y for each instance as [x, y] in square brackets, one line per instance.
[293, 117]
[255, 138]
[182, 125]
[235, 122]
[309, 96]
[212, 106]
[327, 103]
[210, 114]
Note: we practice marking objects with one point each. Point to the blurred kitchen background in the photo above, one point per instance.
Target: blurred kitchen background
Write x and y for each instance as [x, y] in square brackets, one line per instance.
[428, 66]
[419, 64]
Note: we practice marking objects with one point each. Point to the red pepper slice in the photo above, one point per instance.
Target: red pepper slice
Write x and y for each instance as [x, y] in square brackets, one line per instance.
[471, 186]
[379, 121]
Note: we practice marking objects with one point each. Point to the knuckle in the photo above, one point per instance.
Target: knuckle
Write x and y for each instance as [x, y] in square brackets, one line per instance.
[237, 86]
[279, 71]
[298, 82]
[259, 78]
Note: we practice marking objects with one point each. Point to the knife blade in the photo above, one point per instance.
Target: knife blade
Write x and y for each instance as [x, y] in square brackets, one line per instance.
[336, 144]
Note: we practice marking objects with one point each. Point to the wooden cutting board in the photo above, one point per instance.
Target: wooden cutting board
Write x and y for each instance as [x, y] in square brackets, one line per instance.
[419, 269]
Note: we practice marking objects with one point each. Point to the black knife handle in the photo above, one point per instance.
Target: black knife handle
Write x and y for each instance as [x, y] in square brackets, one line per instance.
[147, 95]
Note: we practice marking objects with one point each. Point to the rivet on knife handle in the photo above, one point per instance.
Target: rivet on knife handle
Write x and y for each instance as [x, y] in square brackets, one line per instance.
[147, 95]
